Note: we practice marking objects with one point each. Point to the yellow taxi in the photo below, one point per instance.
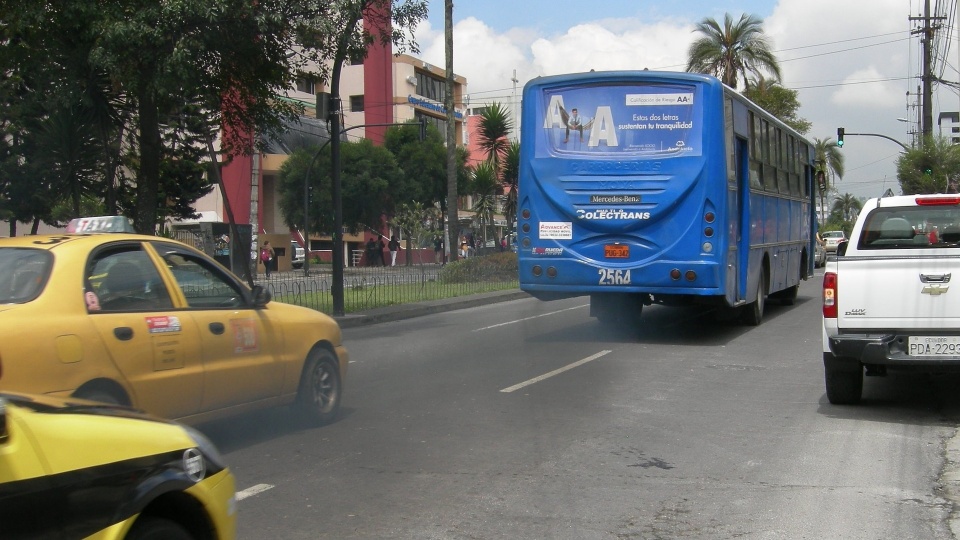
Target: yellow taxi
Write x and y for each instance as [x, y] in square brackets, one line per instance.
[80, 469]
[152, 323]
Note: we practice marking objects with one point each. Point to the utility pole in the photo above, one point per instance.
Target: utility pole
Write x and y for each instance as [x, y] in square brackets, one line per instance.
[516, 108]
[926, 42]
[453, 216]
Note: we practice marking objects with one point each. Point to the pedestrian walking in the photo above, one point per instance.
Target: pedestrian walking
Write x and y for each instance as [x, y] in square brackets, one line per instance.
[266, 257]
[380, 246]
[438, 249]
[394, 246]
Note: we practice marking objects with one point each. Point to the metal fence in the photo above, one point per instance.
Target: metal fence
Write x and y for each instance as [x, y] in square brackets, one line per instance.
[368, 288]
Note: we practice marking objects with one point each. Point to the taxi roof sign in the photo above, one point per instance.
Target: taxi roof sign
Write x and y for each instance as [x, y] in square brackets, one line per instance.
[112, 224]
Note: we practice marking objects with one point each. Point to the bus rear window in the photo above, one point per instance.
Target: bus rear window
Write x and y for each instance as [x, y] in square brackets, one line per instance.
[658, 120]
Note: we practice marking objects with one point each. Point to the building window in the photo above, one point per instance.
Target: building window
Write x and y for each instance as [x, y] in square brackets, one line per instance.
[308, 86]
[356, 103]
[430, 87]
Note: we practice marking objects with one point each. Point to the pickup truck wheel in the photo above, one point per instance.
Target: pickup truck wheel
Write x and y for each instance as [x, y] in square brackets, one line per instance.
[753, 313]
[844, 387]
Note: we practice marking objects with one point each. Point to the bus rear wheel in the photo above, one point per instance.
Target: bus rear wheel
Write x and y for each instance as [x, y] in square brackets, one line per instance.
[753, 312]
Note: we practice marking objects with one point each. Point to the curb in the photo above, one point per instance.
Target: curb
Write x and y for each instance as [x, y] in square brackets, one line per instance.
[419, 309]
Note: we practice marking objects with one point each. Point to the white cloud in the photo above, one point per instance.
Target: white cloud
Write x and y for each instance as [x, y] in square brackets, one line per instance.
[828, 52]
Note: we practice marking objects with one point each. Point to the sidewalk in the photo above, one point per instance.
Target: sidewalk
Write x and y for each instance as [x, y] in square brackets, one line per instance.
[408, 311]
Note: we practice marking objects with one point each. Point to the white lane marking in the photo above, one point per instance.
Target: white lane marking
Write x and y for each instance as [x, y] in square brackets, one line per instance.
[528, 318]
[556, 372]
[253, 490]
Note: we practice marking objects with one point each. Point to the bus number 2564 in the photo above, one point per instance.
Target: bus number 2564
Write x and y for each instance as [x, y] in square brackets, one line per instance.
[614, 277]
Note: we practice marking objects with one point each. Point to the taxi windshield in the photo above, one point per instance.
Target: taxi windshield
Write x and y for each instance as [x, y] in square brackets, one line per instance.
[23, 273]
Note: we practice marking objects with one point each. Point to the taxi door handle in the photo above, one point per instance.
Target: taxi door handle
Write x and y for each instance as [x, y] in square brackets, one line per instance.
[216, 328]
[123, 333]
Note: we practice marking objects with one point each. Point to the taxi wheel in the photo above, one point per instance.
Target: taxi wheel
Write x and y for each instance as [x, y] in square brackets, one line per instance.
[320, 388]
[153, 528]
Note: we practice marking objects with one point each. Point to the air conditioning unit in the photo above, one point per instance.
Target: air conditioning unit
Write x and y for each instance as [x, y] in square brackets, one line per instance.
[412, 80]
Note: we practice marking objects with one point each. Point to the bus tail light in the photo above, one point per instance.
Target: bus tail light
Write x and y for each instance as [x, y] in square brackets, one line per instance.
[830, 295]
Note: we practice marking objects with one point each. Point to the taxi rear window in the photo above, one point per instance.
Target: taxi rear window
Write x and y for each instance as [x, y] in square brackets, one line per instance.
[911, 227]
[23, 274]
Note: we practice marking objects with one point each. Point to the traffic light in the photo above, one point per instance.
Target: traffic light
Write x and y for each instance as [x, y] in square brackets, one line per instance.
[423, 128]
[840, 137]
[821, 180]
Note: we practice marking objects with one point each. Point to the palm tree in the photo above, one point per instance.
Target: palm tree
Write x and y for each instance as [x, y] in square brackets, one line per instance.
[732, 52]
[511, 180]
[485, 186]
[495, 125]
[828, 162]
[847, 206]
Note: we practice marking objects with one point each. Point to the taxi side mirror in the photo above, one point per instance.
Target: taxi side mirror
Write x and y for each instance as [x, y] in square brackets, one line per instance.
[261, 296]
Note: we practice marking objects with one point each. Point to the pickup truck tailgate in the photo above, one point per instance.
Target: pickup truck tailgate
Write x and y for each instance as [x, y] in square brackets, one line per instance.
[898, 292]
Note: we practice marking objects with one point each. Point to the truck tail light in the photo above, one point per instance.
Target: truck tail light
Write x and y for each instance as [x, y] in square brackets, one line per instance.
[830, 295]
[937, 201]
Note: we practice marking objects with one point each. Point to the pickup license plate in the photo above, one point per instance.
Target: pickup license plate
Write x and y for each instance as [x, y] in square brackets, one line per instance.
[933, 346]
[616, 251]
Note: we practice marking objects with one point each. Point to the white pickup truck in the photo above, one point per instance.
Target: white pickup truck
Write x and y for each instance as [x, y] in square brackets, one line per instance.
[887, 300]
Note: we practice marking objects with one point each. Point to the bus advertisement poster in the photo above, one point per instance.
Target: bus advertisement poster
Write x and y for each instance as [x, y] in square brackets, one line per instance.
[654, 120]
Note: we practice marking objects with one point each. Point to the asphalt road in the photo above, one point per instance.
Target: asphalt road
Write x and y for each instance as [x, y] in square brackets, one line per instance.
[528, 419]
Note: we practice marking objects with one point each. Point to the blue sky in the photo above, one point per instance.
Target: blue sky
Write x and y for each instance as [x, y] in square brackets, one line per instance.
[853, 63]
[556, 17]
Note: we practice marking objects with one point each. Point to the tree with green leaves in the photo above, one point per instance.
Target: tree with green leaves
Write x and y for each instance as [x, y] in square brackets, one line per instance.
[733, 51]
[162, 79]
[779, 101]
[422, 164]
[929, 168]
[416, 221]
[145, 83]
[371, 169]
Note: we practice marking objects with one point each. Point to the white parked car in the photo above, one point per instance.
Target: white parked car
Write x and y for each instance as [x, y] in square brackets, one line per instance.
[831, 239]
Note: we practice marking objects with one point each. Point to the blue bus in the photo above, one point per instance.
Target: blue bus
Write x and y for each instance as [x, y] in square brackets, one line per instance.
[642, 187]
